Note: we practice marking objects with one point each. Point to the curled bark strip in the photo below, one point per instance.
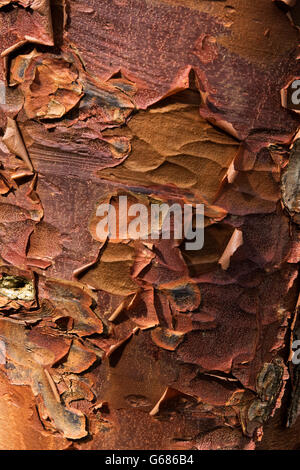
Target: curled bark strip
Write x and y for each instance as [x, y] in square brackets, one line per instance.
[118, 340]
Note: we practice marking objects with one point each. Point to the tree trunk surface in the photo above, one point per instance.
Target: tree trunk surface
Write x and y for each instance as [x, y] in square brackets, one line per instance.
[123, 342]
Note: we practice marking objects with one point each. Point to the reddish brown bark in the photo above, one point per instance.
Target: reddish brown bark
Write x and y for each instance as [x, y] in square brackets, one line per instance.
[134, 344]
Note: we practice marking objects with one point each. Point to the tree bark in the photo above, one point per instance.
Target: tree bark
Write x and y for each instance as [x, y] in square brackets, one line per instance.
[117, 342]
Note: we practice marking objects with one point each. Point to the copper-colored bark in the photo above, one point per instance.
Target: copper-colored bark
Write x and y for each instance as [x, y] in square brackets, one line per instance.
[135, 344]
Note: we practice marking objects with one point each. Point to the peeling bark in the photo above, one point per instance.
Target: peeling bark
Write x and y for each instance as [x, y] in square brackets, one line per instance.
[116, 342]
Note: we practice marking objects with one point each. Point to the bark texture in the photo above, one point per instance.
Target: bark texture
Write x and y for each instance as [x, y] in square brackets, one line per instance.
[134, 344]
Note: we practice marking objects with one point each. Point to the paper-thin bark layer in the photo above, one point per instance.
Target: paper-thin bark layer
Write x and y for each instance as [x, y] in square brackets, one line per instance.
[143, 344]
